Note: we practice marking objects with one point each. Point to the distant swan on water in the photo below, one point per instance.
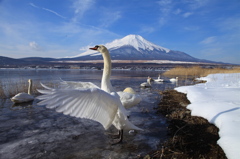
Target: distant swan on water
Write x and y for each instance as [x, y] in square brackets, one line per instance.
[148, 83]
[24, 97]
[86, 100]
[173, 79]
[159, 79]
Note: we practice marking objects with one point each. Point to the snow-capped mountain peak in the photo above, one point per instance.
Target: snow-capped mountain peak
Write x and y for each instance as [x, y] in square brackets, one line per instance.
[135, 47]
[137, 41]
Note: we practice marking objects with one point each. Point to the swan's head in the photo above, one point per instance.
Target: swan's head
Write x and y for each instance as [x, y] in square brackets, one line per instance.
[100, 48]
[30, 80]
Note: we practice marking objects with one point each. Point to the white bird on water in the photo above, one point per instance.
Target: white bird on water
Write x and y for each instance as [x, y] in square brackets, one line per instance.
[24, 97]
[86, 100]
[148, 83]
[173, 79]
[159, 79]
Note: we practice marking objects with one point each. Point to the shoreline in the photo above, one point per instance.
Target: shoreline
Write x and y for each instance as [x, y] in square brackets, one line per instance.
[189, 136]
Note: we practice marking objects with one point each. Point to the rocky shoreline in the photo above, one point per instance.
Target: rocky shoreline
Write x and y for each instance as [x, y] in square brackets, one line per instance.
[190, 137]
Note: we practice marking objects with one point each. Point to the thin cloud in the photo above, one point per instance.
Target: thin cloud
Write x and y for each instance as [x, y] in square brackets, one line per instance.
[147, 29]
[165, 10]
[51, 11]
[165, 6]
[178, 11]
[33, 45]
[164, 3]
[48, 10]
[109, 18]
[80, 7]
[33, 5]
[208, 40]
[195, 4]
[185, 15]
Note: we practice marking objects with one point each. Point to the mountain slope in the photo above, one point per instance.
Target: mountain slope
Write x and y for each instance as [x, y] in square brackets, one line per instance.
[10, 61]
[135, 47]
[131, 47]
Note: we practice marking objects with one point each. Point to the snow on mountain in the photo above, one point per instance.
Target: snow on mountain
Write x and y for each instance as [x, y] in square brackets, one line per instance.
[135, 47]
[135, 41]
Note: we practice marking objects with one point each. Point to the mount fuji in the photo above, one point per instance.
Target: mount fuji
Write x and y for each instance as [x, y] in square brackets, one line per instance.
[135, 47]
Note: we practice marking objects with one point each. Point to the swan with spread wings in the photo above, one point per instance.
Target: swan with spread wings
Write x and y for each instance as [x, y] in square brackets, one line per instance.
[86, 100]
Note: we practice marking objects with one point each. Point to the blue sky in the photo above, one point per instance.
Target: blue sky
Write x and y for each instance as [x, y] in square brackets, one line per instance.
[205, 29]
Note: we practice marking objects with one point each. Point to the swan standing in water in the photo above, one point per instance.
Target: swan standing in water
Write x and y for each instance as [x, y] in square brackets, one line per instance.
[86, 100]
[24, 97]
[128, 97]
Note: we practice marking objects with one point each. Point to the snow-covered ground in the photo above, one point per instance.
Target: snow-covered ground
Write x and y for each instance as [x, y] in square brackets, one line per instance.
[218, 101]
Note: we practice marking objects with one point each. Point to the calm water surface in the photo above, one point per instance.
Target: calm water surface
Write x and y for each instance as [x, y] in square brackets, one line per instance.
[32, 131]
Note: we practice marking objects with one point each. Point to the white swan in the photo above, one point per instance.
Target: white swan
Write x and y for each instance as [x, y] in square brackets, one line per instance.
[89, 101]
[159, 79]
[129, 97]
[24, 97]
[146, 84]
[173, 79]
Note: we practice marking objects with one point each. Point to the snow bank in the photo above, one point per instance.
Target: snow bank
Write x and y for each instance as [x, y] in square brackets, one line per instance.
[218, 101]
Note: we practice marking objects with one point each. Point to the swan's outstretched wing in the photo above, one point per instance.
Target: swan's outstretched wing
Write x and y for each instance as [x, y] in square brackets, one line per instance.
[89, 103]
[76, 85]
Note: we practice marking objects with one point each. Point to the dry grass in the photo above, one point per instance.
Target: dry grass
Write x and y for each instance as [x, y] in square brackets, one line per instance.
[198, 71]
[2, 94]
[190, 137]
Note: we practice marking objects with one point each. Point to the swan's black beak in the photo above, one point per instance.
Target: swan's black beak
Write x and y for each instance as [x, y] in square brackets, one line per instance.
[94, 48]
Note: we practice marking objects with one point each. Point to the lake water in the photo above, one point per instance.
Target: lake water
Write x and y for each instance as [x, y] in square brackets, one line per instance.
[30, 131]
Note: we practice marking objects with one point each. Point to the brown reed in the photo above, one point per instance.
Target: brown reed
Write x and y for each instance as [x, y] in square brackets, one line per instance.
[197, 71]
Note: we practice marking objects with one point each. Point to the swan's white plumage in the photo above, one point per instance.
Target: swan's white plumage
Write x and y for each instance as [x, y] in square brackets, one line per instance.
[129, 90]
[173, 79]
[159, 79]
[24, 97]
[77, 85]
[129, 99]
[146, 84]
[90, 103]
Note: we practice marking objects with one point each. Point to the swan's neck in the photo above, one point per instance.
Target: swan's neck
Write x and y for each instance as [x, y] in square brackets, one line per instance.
[106, 84]
[30, 88]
